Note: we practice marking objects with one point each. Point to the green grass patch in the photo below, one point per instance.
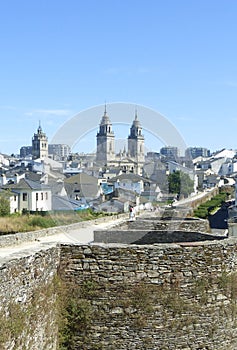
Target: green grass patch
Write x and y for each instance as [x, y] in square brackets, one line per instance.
[210, 206]
[34, 221]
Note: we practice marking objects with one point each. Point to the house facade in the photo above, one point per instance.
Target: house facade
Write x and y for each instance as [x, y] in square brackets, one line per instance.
[29, 195]
[130, 182]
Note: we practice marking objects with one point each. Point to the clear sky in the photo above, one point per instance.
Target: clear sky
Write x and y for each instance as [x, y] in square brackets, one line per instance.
[178, 57]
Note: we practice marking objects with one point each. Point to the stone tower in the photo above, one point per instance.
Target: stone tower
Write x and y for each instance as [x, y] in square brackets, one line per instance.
[39, 144]
[136, 141]
[105, 140]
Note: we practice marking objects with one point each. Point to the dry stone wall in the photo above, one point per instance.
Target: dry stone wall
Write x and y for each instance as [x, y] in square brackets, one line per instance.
[155, 223]
[167, 231]
[152, 237]
[28, 298]
[22, 237]
[155, 297]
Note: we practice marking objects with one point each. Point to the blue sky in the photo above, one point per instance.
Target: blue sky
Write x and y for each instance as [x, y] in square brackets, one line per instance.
[175, 57]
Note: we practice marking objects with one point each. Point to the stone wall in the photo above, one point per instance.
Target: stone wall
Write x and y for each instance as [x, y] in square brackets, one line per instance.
[201, 198]
[152, 237]
[154, 297]
[28, 298]
[187, 224]
[163, 296]
[21, 237]
[174, 230]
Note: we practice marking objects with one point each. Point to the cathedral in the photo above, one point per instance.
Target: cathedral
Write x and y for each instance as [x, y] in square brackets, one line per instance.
[129, 162]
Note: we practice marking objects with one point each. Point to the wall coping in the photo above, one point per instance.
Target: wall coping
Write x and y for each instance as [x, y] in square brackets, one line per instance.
[224, 243]
[30, 236]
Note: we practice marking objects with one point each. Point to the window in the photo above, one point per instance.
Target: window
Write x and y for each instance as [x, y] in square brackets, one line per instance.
[15, 198]
[46, 195]
[37, 196]
[42, 196]
[24, 195]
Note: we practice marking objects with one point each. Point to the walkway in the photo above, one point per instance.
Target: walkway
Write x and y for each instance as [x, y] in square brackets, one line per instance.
[190, 199]
[83, 235]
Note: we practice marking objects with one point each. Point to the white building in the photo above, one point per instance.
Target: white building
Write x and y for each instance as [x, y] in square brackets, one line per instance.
[228, 168]
[31, 196]
[225, 153]
[130, 182]
[59, 151]
[4, 162]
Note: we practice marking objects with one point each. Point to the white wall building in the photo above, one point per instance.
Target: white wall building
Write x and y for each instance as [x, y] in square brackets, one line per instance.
[31, 196]
[228, 168]
[130, 182]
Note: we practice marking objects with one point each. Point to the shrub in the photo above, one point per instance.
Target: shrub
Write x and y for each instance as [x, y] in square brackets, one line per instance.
[204, 209]
[40, 221]
[4, 205]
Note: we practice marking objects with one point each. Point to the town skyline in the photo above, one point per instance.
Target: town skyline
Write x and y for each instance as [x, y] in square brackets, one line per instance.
[177, 58]
[86, 143]
[152, 144]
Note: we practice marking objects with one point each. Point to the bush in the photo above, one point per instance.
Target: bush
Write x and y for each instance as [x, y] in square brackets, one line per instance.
[205, 208]
[4, 204]
[40, 221]
[201, 213]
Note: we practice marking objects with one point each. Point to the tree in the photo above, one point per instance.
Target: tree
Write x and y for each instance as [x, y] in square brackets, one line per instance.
[4, 204]
[174, 182]
[180, 183]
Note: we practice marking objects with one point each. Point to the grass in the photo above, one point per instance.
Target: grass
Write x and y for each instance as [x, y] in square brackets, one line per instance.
[30, 222]
[210, 206]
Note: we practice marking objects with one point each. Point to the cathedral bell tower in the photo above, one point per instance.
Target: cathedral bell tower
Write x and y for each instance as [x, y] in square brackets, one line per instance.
[136, 141]
[39, 144]
[105, 140]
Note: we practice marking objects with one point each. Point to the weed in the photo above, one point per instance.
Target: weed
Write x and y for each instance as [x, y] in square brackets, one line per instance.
[23, 223]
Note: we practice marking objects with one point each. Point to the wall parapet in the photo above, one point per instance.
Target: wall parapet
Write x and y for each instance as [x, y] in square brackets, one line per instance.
[164, 296]
[28, 301]
[161, 296]
[21, 237]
